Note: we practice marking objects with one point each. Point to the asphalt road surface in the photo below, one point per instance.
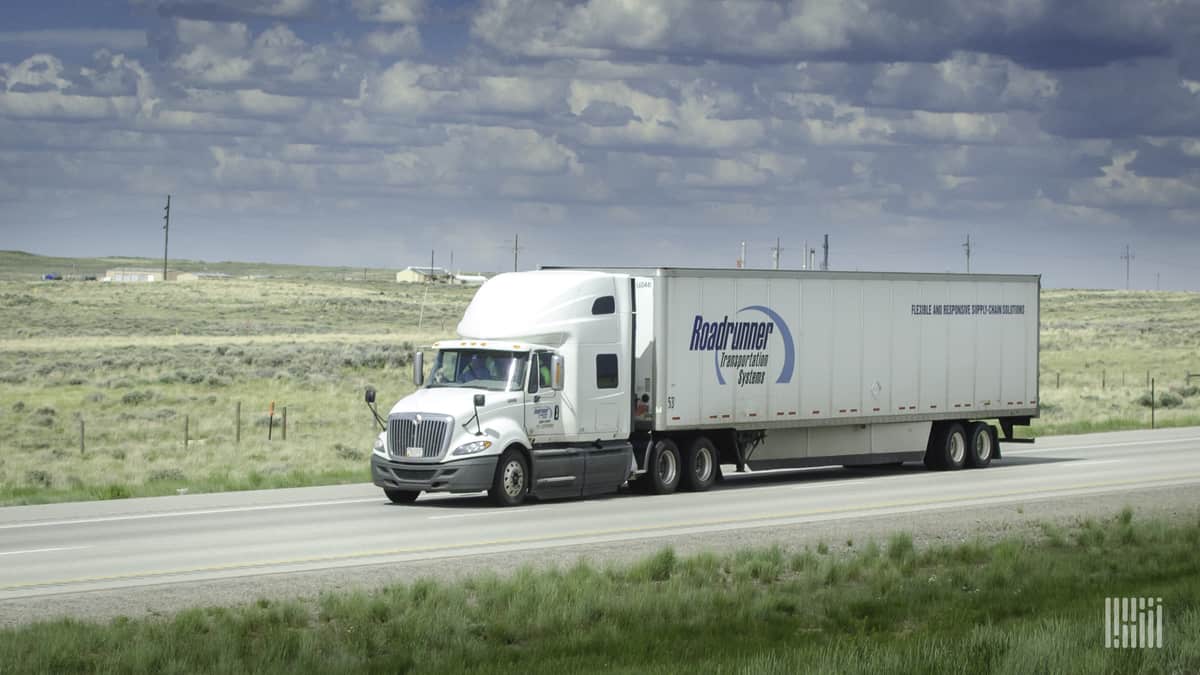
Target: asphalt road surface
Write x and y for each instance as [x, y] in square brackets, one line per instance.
[66, 551]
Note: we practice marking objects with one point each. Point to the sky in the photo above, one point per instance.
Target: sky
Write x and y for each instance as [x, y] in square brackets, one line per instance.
[610, 132]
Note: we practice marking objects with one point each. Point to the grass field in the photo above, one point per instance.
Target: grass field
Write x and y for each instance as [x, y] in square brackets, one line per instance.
[136, 363]
[1008, 607]
[1099, 347]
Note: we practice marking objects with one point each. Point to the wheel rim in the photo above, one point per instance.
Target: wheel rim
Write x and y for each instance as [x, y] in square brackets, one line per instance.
[514, 478]
[958, 447]
[666, 466]
[703, 465]
[983, 444]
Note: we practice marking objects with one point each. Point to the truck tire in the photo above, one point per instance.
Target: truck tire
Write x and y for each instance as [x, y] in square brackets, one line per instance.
[699, 465]
[982, 445]
[950, 449]
[948, 446]
[401, 496]
[511, 482]
[662, 474]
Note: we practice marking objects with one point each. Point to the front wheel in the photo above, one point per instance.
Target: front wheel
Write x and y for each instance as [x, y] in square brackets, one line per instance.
[511, 481]
[401, 496]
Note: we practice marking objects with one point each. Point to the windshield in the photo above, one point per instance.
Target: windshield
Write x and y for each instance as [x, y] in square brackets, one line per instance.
[479, 368]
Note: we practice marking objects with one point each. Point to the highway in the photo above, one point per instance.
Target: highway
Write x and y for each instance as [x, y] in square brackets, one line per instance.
[67, 549]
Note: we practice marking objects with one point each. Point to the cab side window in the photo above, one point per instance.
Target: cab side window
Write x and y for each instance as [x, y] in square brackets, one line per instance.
[545, 376]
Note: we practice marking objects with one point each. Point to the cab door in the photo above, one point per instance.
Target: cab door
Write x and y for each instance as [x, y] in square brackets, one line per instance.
[558, 467]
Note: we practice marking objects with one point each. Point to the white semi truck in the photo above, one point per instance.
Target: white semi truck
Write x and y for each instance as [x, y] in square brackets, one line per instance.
[570, 382]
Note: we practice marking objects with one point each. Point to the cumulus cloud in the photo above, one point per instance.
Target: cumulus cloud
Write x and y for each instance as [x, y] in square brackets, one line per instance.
[1030, 32]
[389, 11]
[56, 38]
[229, 10]
[403, 42]
[905, 122]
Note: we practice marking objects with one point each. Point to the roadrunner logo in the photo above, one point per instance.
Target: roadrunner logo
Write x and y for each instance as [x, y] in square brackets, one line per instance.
[742, 345]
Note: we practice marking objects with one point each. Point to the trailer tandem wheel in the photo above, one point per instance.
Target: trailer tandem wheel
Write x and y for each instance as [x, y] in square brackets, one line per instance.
[699, 465]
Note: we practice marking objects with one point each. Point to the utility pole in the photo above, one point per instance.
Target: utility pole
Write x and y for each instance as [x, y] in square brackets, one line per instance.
[967, 247]
[516, 249]
[825, 264]
[431, 252]
[1128, 258]
[1158, 281]
[778, 249]
[166, 234]
[804, 254]
[742, 258]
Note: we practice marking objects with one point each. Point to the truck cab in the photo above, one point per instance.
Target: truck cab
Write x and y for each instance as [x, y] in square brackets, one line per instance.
[535, 397]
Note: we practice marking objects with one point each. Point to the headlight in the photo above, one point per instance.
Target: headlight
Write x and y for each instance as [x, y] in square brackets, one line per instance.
[380, 444]
[472, 448]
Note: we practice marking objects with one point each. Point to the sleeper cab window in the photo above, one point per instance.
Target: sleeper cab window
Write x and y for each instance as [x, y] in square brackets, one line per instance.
[604, 305]
[606, 371]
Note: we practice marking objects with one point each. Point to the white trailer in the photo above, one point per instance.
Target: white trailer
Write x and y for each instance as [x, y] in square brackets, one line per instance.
[573, 382]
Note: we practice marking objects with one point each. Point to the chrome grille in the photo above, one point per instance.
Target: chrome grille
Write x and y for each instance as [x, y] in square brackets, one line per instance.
[427, 432]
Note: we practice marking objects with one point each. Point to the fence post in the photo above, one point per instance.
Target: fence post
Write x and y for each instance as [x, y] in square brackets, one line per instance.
[1058, 380]
[237, 436]
[81, 436]
[1152, 403]
[1103, 379]
[270, 420]
[186, 422]
[284, 437]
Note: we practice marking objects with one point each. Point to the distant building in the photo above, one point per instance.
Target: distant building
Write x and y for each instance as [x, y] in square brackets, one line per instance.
[135, 275]
[421, 275]
[468, 279]
[201, 276]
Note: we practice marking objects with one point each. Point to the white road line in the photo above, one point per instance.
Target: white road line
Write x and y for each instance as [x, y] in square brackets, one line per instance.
[1093, 462]
[472, 515]
[176, 514]
[1162, 441]
[43, 550]
[832, 484]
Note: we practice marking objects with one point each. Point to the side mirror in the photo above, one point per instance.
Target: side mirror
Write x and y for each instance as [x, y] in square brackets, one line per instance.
[557, 371]
[479, 400]
[370, 395]
[418, 374]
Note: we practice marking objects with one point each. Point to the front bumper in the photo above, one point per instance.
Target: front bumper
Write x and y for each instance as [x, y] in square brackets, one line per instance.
[464, 475]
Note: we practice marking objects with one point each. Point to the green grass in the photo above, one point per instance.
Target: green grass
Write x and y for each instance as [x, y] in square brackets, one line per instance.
[1013, 606]
[1099, 346]
[134, 360]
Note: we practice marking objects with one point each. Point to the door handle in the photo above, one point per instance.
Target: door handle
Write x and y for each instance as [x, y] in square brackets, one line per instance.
[536, 398]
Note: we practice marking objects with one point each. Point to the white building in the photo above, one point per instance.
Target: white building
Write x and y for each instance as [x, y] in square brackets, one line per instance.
[420, 275]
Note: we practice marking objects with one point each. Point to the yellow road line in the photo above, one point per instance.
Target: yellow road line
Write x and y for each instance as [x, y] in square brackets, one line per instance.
[597, 533]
